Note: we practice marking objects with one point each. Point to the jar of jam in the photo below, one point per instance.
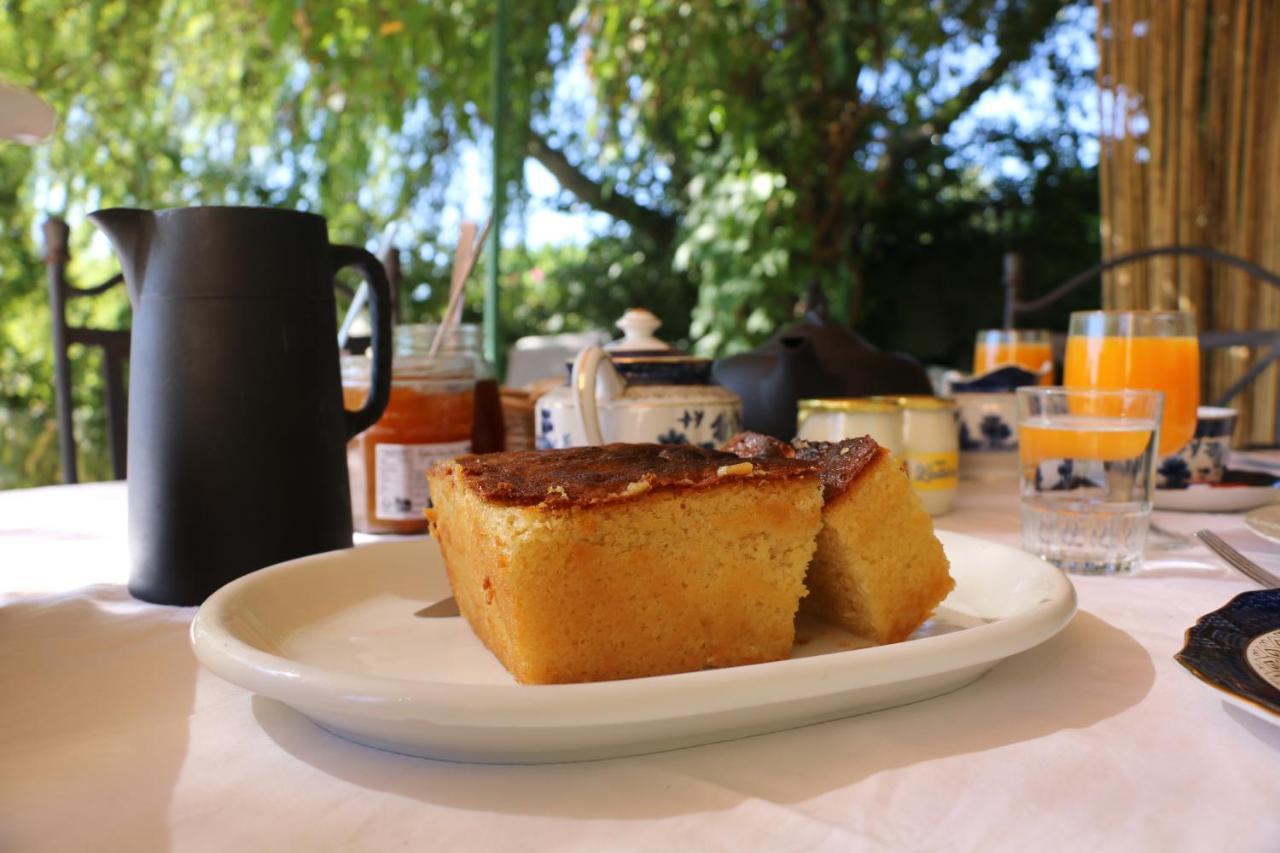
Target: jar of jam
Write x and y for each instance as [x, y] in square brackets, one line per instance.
[428, 418]
[488, 430]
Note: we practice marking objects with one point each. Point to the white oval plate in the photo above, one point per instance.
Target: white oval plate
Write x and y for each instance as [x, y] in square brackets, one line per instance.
[335, 637]
[1206, 498]
[1265, 521]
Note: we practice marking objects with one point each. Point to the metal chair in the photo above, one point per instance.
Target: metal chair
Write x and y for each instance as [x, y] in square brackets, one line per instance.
[1013, 305]
[114, 344]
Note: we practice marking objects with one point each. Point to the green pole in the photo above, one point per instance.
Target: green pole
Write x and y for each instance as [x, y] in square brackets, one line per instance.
[492, 334]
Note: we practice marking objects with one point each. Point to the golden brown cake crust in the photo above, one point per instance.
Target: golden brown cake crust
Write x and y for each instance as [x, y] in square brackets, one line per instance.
[584, 476]
[757, 445]
[840, 462]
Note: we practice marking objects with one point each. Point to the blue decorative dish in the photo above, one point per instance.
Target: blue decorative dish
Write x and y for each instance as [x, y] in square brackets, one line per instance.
[993, 381]
[1237, 650]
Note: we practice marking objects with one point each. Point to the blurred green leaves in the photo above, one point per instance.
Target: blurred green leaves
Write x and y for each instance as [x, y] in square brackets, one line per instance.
[743, 150]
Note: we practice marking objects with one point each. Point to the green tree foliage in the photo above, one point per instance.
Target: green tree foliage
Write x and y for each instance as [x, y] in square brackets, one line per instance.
[773, 137]
[741, 149]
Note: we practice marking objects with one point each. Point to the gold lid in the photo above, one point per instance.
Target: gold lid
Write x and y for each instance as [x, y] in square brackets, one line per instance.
[919, 402]
[863, 405]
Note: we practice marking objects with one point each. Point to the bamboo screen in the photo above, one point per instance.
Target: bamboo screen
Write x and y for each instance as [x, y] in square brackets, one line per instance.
[1190, 153]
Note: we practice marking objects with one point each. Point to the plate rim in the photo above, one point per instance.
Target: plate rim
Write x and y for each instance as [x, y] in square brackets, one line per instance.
[1250, 521]
[1271, 492]
[1185, 658]
[611, 702]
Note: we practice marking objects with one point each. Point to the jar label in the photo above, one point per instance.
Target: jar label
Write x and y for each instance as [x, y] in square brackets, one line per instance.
[400, 476]
[933, 471]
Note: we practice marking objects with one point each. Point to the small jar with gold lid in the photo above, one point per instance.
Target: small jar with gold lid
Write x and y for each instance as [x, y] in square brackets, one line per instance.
[931, 444]
[838, 418]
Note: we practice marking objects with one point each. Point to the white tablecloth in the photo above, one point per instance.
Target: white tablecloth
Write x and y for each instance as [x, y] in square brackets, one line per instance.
[113, 738]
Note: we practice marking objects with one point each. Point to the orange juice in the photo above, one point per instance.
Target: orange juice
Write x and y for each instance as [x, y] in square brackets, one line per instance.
[1031, 355]
[1168, 364]
[1098, 439]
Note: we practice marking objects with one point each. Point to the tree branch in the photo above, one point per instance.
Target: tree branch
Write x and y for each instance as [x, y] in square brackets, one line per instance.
[1017, 35]
[658, 226]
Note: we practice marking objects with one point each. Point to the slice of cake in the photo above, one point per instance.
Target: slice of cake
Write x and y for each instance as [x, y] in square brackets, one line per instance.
[626, 560]
[879, 570]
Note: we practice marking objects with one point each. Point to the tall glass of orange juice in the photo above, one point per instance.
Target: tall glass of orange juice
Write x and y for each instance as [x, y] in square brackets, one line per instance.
[1155, 350]
[1029, 349]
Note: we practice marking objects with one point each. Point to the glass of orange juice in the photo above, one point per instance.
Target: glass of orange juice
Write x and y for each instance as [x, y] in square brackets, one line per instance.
[1029, 349]
[1156, 350]
[1088, 462]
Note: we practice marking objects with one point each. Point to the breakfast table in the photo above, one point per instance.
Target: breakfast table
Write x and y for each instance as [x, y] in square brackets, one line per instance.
[112, 736]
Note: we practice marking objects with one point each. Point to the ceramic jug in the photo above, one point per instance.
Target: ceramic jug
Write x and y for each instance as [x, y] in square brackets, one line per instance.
[637, 389]
[237, 432]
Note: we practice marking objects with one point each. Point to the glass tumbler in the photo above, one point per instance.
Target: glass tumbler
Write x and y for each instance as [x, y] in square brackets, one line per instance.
[1030, 349]
[1140, 349]
[1088, 465]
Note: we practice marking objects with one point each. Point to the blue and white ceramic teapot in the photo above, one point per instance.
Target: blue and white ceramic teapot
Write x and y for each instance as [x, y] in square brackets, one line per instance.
[637, 389]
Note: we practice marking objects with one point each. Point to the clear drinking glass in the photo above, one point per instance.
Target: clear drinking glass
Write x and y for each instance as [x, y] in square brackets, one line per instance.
[1140, 349]
[1088, 470]
[1030, 349]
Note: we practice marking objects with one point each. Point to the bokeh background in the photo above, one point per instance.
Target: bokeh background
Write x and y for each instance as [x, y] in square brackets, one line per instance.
[704, 159]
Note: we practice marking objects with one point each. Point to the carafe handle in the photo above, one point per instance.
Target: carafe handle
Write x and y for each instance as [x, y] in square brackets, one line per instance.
[370, 268]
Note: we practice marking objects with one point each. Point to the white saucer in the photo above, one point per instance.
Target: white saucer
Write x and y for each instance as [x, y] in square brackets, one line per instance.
[1206, 498]
[335, 636]
[1265, 521]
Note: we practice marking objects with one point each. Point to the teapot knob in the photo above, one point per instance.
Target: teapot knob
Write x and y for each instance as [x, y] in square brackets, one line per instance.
[638, 326]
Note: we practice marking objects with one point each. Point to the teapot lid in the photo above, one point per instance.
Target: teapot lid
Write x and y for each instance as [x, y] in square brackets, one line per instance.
[638, 326]
[641, 358]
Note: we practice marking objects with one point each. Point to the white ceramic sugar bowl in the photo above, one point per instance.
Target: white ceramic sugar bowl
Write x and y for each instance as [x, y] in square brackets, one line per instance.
[637, 389]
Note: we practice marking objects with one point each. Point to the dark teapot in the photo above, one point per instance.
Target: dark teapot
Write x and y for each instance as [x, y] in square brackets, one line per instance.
[816, 357]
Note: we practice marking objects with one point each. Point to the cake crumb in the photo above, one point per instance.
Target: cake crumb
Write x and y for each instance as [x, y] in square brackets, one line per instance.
[639, 487]
[740, 470]
[557, 490]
